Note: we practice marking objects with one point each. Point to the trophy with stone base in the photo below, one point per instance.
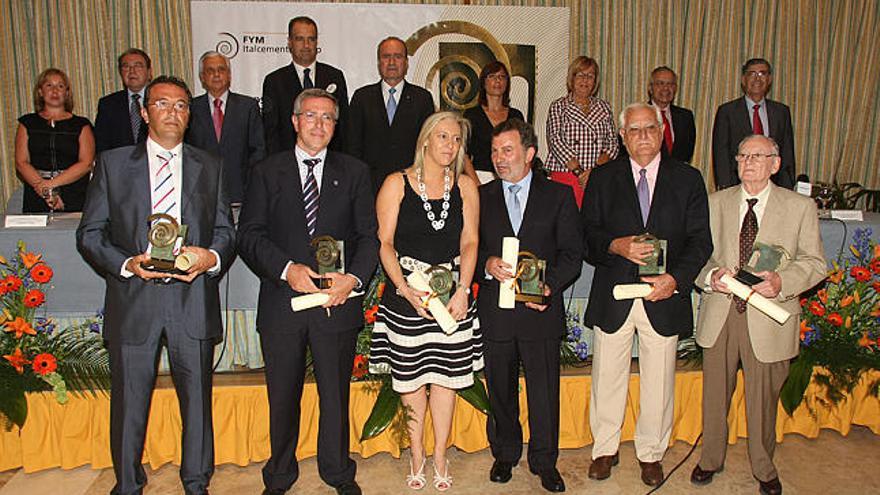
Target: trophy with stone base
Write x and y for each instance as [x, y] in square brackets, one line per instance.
[330, 256]
[764, 258]
[166, 238]
[530, 276]
[655, 263]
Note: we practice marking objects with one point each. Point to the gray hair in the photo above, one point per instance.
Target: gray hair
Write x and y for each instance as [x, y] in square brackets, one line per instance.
[315, 93]
[639, 106]
[209, 54]
[758, 136]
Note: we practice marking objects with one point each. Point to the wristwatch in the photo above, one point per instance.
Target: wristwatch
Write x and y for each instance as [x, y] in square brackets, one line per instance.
[577, 171]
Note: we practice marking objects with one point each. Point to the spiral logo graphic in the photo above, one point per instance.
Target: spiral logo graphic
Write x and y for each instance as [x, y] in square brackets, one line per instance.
[228, 45]
[459, 88]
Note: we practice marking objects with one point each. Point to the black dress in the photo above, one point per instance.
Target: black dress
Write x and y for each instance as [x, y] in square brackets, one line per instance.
[479, 145]
[415, 350]
[53, 149]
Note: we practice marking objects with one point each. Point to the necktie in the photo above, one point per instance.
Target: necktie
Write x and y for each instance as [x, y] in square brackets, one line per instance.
[218, 117]
[515, 212]
[747, 234]
[667, 132]
[391, 106]
[757, 125]
[644, 195]
[135, 116]
[163, 189]
[310, 195]
[307, 79]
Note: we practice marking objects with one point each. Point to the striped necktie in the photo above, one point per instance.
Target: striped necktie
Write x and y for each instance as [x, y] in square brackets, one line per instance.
[310, 195]
[135, 116]
[164, 199]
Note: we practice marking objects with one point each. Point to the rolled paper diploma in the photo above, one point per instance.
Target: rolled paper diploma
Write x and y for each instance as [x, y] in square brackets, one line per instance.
[185, 261]
[631, 291]
[507, 290]
[308, 301]
[435, 306]
[760, 302]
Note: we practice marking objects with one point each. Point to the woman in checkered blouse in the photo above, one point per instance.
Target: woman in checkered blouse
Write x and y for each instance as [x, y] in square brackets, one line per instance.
[580, 128]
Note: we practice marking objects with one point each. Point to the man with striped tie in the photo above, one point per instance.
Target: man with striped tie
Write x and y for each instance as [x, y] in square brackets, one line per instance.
[294, 197]
[145, 309]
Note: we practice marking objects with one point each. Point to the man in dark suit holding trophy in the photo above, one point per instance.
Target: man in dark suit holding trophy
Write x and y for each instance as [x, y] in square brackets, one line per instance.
[543, 216]
[146, 308]
[296, 198]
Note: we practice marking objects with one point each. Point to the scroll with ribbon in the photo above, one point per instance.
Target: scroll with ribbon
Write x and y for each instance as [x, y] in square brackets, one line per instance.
[759, 302]
[432, 302]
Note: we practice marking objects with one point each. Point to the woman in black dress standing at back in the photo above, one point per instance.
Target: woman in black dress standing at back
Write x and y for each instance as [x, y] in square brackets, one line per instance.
[54, 149]
[493, 109]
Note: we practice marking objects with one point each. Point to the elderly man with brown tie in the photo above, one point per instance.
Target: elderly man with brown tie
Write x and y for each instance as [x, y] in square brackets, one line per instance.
[732, 332]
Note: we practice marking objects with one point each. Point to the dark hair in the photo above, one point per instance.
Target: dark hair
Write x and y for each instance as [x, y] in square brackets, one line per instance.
[39, 101]
[133, 51]
[163, 79]
[755, 61]
[489, 69]
[304, 19]
[527, 135]
[390, 38]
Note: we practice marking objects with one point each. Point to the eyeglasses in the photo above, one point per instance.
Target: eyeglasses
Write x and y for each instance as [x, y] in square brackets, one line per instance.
[178, 106]
[744, 157]
[312, 117]
[134, 66]
[648, 129]
[760, 74]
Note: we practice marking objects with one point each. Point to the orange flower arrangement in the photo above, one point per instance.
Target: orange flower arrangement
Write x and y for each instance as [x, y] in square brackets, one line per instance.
[17, 360]
[20, 327]
[29, 259]
[360, 366]
[370, 314]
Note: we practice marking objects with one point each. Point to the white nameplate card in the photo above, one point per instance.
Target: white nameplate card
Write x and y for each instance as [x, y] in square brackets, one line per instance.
[507, 290]
[435, 306]
[856, 215]
[308, 301]
[804, 188]
[26, 220]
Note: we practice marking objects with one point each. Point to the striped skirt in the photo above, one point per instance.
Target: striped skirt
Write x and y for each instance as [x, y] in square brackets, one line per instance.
[416, 351]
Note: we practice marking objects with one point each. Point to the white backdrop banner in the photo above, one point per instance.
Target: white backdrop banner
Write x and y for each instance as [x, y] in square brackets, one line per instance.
[448, 45]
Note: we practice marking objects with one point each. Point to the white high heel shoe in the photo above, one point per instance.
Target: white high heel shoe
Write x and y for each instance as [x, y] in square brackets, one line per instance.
[416, 481]
[442, 483]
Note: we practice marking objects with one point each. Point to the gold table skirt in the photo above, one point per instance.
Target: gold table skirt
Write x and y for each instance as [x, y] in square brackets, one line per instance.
[78, 433]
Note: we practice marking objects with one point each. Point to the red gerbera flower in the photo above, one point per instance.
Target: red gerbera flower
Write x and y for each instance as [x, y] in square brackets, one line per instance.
[11, 283]
[475, 289]
[816, 308]
[41, 273]
[860, 273]
[45, 363]
[835, 319]
[34, 298]
[370, 314]
[360, 366]
[875, 266]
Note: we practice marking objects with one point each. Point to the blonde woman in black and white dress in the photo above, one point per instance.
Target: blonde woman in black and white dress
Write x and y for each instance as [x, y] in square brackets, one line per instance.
[428, 215]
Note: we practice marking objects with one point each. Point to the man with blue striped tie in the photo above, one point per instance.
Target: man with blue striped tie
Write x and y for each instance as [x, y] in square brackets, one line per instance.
[145, 309]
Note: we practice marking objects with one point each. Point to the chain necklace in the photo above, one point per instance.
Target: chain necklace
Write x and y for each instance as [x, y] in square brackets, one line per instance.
[436, 224]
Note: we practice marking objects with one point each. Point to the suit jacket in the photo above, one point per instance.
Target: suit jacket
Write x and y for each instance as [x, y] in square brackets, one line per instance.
[272, 231]
[679, 213]
[684, 135]
[386, 148]
[551, 230]
[113, 123]
[241, 144]
[732, 123]
[790, 221]
[114, 228]
[280, 89]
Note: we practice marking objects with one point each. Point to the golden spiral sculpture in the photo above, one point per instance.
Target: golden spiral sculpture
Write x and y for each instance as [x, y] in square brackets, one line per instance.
[164, 231]
[326, 250]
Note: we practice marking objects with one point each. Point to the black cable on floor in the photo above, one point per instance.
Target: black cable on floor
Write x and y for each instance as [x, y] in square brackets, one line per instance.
[680, 463]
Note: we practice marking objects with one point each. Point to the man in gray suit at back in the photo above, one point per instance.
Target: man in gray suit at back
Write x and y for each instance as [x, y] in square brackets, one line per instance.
[227, 124]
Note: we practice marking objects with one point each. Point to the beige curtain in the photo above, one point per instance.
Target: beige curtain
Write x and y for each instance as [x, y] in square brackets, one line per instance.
[825, 55]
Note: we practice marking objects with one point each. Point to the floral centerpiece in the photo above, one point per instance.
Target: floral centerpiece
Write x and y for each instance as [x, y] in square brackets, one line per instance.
[840, 328]
[36, 357]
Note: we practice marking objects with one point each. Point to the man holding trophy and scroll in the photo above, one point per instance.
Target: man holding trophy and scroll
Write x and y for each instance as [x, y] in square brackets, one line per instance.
[308, 230]
[534, 223]
[766, 237]
[632, 208]
[149, 302]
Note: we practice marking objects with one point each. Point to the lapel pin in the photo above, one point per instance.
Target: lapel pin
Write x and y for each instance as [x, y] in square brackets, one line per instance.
[335, 182]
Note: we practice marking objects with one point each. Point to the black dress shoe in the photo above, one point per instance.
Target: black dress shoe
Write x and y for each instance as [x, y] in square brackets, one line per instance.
[700, 476]
[551, 480]
[348, 488]
[500, 472]
[772, 487]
